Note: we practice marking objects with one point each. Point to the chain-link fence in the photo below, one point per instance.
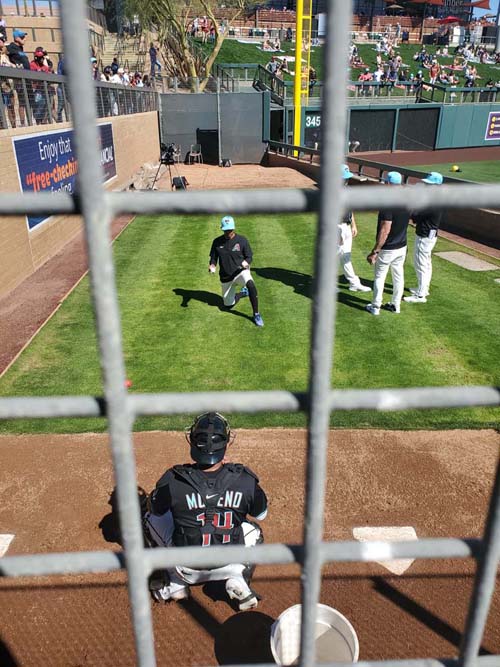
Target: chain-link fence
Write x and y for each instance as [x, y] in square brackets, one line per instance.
[33, 98]
[121, 409]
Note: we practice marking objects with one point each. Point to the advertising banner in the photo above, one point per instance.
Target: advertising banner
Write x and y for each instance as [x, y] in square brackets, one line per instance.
[46, 161]
[493, 126]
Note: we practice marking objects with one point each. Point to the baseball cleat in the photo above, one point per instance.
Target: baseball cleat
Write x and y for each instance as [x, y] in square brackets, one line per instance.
[258, 320]
[170, 592]
[415, 291]
[238, 589]
[415, 298]
[243, 292]
[360, 288]
[392, 308]
[373, 310]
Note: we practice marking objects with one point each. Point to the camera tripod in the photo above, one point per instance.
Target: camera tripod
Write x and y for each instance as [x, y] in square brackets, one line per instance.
[177, 182]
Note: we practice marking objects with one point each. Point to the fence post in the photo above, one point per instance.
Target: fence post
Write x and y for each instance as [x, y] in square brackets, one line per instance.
[48, 102]
[27, 103]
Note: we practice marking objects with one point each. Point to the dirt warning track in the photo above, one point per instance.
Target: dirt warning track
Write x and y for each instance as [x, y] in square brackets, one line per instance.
[54, 497]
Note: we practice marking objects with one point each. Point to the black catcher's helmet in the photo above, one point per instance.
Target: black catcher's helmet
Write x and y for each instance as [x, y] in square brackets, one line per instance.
[208, 436]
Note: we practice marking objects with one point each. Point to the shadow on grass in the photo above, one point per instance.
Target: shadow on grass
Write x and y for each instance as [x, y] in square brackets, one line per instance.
[209, 298]
[301, 282]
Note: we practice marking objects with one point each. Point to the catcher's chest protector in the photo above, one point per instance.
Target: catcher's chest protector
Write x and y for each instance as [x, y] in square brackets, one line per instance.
[209, 509]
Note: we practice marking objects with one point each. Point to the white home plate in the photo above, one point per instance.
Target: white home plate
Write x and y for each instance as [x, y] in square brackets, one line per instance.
[388, 534]
[467, 261]
[5, 541]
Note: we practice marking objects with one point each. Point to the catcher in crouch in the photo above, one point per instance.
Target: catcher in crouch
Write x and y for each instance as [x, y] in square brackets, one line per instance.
[206, 503]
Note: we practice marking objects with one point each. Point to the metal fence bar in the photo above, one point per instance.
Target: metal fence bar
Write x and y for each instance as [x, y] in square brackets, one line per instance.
[483, 661]
[212, 202]
[264, 554]
[381, 400]
[323, 314]
[485, 580]
[97, 219]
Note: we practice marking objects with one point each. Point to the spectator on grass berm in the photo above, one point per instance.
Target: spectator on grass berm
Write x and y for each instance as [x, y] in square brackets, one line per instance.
[313, 80]
[39, 101]
[234, 255]
[272, 65]
[7, 85]
[207, 502]
[347, 232]
[389, 252]
[365, 77]
[434, 71]
[427, 224]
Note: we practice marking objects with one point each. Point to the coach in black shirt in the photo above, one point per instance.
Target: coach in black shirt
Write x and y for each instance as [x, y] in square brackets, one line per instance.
[427, 224]
[234, 255]
[389, 252]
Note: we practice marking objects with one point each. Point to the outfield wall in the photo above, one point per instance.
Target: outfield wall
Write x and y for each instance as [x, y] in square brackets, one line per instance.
[27, 243]
[239, 122]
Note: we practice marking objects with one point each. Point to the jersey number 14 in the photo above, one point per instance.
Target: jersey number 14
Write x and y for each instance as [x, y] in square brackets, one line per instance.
[220, 520]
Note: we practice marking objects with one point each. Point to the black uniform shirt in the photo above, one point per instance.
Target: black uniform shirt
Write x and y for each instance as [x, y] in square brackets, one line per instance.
[427, 221]
[397, 236]
[241, 497]
[230, 253]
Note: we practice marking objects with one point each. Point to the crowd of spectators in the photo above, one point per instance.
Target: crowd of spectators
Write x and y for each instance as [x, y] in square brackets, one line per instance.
[432, 68]
[46, 99]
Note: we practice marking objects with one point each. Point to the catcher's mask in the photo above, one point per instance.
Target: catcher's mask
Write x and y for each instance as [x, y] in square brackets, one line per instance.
[209, 436]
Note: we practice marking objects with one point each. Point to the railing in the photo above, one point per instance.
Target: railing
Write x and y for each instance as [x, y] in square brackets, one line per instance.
[29, 98]
[265, 80]
[290, 150]
[30, 8]
[227, 82]
[239, 71]
[459, 94]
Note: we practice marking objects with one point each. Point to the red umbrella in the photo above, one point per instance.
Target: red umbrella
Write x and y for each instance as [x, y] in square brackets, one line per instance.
[449, 19]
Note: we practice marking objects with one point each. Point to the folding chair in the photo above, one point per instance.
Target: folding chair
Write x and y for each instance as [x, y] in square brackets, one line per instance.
[195, 154]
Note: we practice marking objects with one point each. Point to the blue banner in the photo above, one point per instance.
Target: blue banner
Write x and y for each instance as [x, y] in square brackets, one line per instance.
[47, 162]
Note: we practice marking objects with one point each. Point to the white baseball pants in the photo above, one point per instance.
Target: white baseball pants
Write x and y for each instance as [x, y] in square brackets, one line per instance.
[344, 253]
[161, 529]
[229, 289]
[422, 261]
[394, 260]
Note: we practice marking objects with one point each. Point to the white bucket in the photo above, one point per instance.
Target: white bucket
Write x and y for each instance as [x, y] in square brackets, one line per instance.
[336, 639]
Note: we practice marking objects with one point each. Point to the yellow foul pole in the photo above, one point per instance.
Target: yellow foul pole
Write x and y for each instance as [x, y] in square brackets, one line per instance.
[302, 47]
[297, 90]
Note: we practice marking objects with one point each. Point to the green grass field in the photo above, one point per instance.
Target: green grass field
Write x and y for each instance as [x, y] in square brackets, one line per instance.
[484, 171]
[177, 338]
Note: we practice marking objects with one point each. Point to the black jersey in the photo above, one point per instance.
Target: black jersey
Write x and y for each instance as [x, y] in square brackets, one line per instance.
[230, 253]
[209, 507]
[427, 223]
[397, 234]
